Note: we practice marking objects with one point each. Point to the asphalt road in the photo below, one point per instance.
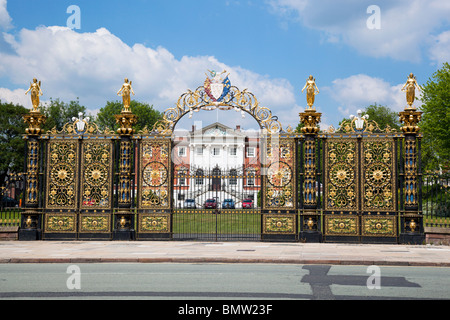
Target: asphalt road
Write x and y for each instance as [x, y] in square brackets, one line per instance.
[221, 281]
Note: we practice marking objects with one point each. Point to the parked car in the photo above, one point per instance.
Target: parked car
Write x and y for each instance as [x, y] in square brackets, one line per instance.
[247, 204]
[8, 202]
[211, 204]
[190, 204]
[228, 204]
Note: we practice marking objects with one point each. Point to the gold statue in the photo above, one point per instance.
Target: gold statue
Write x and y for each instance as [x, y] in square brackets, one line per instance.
[125, 93]
[311, 91]
[35, 88]
[411, 85]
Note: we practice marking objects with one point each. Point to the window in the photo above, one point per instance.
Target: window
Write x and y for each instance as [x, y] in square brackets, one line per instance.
[250, 152]
[233, 177]
[181, 151]
[182, 177]
[199, 176]
[199, 151]
[233, 151]
[250, 178]
[216, 151]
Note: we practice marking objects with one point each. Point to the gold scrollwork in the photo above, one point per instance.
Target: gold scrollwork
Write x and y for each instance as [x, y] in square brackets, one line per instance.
[61, 183]
[60, 223]
[378, 166]
[279, 224]
[98, 223]
[280, 181]
[341, 187]
[155, 176]
[380, 226]
[342, 225]
[194, 101]
[154, 223]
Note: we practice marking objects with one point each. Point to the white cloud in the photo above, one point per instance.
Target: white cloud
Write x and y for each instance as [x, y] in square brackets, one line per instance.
[359, 91]
[407, 26]
[5, 19]
[440, 50]
[15, 96]
[92, 66]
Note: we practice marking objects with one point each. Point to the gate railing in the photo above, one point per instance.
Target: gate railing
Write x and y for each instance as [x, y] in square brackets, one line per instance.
[436, 199]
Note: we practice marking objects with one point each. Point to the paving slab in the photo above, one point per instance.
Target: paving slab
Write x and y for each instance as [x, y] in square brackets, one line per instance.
[222, 252]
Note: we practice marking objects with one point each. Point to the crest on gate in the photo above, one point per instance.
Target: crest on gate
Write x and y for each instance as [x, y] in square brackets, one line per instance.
[217, 87]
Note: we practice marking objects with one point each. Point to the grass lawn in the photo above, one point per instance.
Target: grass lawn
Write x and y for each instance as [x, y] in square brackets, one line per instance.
[229, 222]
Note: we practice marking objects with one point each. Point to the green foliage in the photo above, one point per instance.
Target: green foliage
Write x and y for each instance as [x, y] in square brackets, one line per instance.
[59, 113]
[382, 115]
[147, 116]
[435, 122]
[12, 144]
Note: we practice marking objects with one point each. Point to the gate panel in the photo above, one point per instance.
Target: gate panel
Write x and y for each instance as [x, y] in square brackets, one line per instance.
[341, 175]
[379, 172]
[155, 189]
[360, 192]
[279, 193]
[96, 187]
[62, 173]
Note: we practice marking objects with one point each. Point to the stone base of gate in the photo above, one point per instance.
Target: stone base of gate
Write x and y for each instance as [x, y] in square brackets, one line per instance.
[412, 238]
[29, 234]
[154, 236]
[310, 236]
[123, 235]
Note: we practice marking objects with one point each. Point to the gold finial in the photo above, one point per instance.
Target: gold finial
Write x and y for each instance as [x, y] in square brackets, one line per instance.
[410, 89]
[126, 92]
[36, 92]
[311, 91]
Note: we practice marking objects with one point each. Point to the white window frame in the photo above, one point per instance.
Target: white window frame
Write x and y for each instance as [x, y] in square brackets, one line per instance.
[214, 151]
[182, 153]
[233, 151]
[248, 154]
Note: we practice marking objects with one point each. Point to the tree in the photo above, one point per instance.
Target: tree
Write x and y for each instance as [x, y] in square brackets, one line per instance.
[12, 144]
[59, 113]
[435, 122]
[382, 115]
[147, 116]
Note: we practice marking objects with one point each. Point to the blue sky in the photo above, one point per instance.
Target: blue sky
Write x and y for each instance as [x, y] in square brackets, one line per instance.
[269, 47]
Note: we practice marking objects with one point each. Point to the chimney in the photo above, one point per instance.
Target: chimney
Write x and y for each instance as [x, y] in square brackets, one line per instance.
[238, 127]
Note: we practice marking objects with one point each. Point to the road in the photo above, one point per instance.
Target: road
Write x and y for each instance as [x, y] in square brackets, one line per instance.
[221, 281]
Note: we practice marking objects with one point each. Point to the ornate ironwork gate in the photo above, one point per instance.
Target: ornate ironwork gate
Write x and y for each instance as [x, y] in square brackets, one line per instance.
[360, 188]
[79, 183]
[355, 184]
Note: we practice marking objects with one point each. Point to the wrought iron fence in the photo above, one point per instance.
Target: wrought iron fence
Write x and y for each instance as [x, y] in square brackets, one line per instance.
[10, 216]
[436, 199]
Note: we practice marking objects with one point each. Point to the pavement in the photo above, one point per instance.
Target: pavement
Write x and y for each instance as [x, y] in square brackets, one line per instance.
[222, 252]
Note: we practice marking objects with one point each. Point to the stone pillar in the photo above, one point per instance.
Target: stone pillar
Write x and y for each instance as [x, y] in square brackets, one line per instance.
[124, 216]
[309, 215]
[412, 230]
[32, 214]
